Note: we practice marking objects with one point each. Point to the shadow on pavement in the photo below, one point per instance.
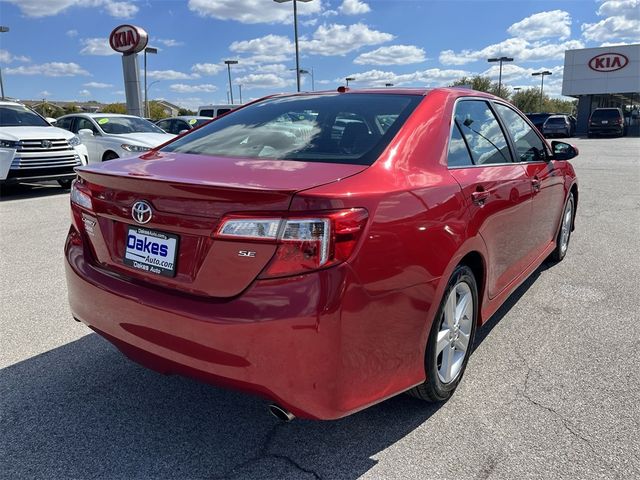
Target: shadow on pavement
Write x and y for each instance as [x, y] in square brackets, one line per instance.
[84, 410]
[20, 191]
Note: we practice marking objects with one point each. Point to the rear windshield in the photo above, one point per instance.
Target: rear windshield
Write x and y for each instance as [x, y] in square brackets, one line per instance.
[339, 128]
[556, 121]
[605, 114]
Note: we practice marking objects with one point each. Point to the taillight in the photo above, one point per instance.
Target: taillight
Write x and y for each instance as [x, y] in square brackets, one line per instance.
[80, 195]
[305, 243]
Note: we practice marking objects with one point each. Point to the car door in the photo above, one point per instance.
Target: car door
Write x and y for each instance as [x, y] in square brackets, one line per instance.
[164, 125]
[546, 179]
[92, 143]
[181, 126]
[497, 190]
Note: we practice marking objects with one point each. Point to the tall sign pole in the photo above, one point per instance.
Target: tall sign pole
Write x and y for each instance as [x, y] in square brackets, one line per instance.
[129, 40]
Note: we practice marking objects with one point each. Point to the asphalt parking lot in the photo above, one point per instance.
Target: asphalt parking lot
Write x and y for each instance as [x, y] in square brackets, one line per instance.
[551, 391]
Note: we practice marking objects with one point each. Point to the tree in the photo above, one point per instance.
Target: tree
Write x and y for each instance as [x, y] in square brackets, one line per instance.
[482, 84]
[156, 111]
[114, 108]
[186, 111]
[528, 100]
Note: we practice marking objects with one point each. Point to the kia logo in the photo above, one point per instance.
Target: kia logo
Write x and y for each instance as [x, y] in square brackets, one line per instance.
[128, 39]
[608, 62]
[141, 212]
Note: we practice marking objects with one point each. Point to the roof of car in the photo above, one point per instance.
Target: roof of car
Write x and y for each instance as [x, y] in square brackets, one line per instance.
[9, 102]
[185, 117]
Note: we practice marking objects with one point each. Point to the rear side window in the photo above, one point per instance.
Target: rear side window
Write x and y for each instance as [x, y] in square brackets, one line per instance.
[458, 151]
[206, 113]
[65, 123]
[482, 132]
[332, 128]
[529, 146]
[222, 111]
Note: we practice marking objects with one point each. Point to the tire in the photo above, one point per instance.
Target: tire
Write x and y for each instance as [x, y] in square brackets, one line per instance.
[440, 383]
[564, 232]
[65, 183]
[109, 156]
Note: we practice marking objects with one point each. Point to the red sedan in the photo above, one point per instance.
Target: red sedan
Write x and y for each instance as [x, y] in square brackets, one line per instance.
[326, 250]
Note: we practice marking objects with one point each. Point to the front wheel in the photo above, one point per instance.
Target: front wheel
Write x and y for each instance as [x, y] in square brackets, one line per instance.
[564, 235]
[451, 338]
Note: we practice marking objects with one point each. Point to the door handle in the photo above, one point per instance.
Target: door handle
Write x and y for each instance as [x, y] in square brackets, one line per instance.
[480, 197]
[535, 183]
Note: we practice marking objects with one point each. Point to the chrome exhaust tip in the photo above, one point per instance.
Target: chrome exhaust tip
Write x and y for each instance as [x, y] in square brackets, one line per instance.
[280, 413]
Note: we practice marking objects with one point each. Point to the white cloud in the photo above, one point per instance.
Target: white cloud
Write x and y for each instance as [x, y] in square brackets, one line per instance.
[72, 33]
[621, 25]
[252, 11]
[429, 77]
[47, 8]
[120, 9]
[354, 7]
[183, 88]
[552, 24]
[171, 75]
[334, 39]
[84, 93]
[392, 55]
[6, 57]
[45, 93]
[520, 49]
[206, 69]
[270, 48]
[309, 23]
[262, 80]
[97, 85]
[169, 42]
[52, 69]
[96, 46]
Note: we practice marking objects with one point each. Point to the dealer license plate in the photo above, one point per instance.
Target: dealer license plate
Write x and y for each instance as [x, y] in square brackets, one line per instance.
[151, 251]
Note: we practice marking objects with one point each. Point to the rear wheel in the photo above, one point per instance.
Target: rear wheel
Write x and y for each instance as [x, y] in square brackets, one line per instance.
[451, 338]
[564, 235]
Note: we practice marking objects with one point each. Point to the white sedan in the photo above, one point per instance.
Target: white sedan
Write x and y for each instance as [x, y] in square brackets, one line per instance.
[110, 135]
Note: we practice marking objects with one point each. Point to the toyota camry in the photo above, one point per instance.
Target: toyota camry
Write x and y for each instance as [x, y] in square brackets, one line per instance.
[325, 251]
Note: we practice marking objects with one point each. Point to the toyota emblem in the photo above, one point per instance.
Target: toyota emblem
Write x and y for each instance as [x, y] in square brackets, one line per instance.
[46, 144]
[141, 212]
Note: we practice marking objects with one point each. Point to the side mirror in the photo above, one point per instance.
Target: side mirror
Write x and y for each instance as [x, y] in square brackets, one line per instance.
[85, 132]
[51, 120]
[563, 150]
[182, 131]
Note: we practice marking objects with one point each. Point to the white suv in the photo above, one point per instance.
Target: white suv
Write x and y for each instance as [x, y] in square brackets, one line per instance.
[110, 135]
[32, 150]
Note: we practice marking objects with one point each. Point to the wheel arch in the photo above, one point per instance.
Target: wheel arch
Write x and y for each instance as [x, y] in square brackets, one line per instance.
[107, 152]
[574, 191]
[476, 262]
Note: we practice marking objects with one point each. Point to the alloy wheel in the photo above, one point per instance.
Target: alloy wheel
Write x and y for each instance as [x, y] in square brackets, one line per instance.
[566, 227]
[454, 332]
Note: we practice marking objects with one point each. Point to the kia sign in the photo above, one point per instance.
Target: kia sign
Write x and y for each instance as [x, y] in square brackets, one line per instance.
[608, 62]
[128, 39]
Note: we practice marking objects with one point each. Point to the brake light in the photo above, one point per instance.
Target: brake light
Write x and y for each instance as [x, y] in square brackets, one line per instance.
[305, 243]
[79, 195]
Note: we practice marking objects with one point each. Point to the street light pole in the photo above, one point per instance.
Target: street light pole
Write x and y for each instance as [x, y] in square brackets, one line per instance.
[500, 59]
[3, 29]
[240, 92]
[229, 63]
[295, 32]
[542, 75]
[146, 98]
[516, 90]
[350, 79]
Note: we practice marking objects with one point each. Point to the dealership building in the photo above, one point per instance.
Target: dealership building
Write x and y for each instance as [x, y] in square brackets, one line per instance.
[604, 77]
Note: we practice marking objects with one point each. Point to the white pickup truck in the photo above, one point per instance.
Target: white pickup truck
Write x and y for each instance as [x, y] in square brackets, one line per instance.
[33, 150]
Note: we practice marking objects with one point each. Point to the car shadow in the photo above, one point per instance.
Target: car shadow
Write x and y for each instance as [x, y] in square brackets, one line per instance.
[21, 191]
[84, 410]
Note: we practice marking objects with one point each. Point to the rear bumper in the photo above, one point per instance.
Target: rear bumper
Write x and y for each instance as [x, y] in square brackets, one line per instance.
[612, 130]
[315, 344]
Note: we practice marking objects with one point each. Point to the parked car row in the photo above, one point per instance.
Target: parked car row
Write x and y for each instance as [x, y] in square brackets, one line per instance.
[602, 121]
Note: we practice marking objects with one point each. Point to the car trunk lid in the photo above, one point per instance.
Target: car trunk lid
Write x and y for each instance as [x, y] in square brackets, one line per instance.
[188, 196]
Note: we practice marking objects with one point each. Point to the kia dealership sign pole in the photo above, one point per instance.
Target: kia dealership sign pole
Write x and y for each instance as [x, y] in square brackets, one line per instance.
[129, 40]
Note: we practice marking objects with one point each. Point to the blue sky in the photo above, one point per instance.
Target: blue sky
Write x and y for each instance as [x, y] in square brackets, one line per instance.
[58, 48]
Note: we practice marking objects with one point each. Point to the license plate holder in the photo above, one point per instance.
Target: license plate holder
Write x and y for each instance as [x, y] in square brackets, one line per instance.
[151, 251]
